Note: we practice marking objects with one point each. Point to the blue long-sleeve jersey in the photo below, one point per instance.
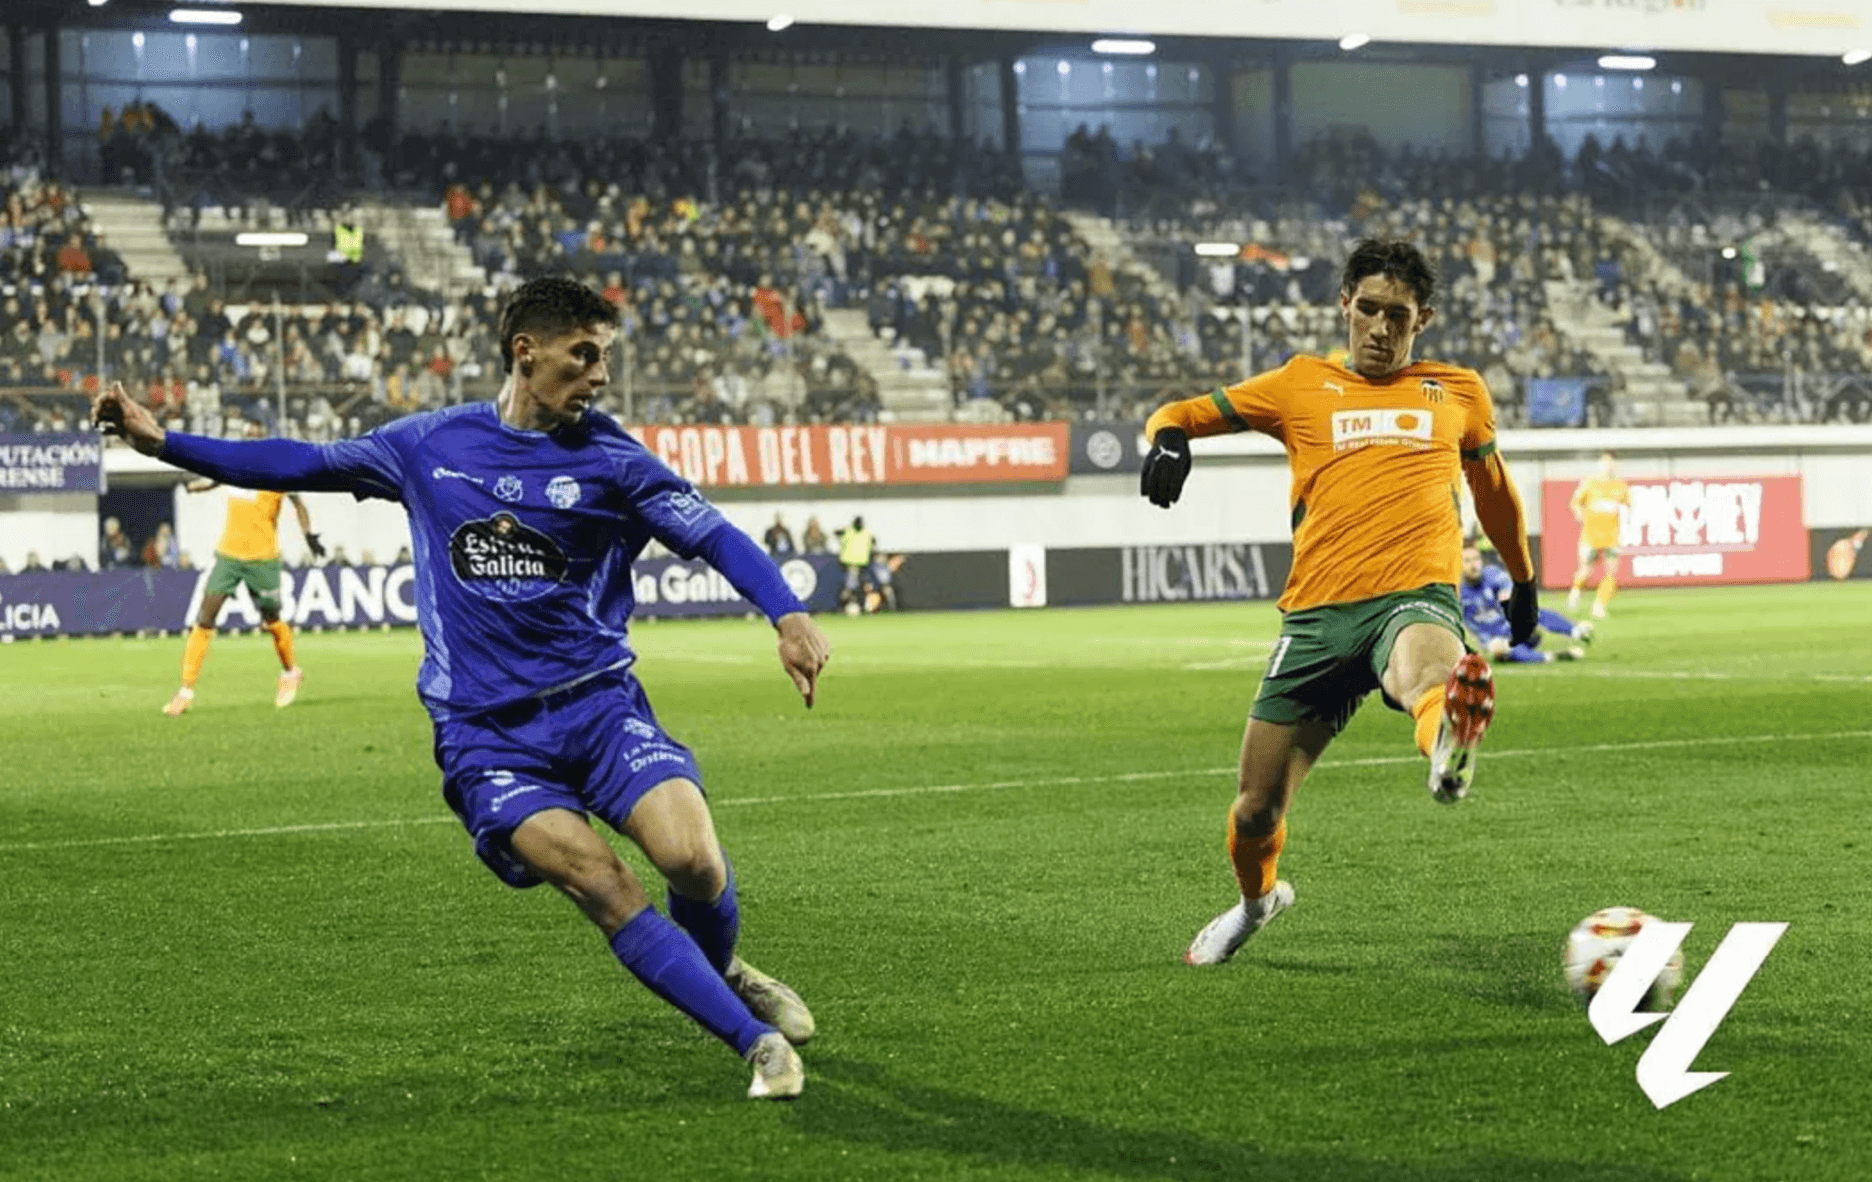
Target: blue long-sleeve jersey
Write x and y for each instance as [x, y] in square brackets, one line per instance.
[523, 540]
[1483, 605]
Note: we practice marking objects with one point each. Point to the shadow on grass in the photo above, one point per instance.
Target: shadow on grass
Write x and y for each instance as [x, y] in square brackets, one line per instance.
[1517, 972]
[852, 1100]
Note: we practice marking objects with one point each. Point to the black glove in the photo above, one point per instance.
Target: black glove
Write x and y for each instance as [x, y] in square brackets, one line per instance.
[1166, 467]
[1523, 612]
[317, 547]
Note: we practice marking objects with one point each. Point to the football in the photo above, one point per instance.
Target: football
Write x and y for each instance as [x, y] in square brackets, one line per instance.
[1594, 946]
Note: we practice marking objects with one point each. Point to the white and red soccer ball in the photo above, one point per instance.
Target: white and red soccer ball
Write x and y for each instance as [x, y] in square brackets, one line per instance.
[1595, 945]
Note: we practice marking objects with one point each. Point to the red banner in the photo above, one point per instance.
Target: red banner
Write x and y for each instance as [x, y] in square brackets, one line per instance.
[916, 453]
[1680, 532]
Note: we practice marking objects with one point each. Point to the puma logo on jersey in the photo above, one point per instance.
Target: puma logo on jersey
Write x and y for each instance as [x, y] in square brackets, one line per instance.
[1335, 387]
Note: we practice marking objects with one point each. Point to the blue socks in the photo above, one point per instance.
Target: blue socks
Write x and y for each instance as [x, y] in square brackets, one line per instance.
[658, 953]
[714, 926]
[1556, 623]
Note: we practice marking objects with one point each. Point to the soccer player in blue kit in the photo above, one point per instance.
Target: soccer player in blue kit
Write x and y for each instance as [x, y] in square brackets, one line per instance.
[525, 514]
[1484, 589]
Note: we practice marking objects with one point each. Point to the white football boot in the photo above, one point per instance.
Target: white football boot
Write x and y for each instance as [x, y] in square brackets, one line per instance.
[1231, 929]
[1468, 708]
[778, 1072]
[772, 1001]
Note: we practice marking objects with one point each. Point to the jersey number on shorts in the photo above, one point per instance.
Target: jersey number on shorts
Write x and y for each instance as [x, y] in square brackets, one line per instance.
[1280, 653]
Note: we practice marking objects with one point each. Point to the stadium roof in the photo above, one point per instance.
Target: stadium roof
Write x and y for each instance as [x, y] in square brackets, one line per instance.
[1803, 27]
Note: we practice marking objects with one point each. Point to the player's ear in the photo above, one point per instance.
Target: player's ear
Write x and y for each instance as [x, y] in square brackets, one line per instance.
[1424, 317]
[523, 348]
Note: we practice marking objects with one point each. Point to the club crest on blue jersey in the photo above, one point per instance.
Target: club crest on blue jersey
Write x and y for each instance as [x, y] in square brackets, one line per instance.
[507, 488]
[504, 559]
[563, 492]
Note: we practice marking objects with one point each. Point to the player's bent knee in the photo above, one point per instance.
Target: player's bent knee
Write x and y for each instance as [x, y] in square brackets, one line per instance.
[698, 872]
[1258, 819]
[609, 895]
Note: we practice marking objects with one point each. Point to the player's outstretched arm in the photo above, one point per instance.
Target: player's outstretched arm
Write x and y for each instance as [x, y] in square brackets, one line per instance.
[1498, 508]
[305, 528]
[804, 649]
[283, 465]
[1252, 405]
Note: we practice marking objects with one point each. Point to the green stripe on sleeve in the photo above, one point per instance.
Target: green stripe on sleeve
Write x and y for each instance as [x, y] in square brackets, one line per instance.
[1479, 453]
[1228, 411]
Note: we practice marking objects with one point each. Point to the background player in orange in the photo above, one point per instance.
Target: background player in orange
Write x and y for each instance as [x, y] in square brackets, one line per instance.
[247, 553]
[1376, 446]
[1595, 505]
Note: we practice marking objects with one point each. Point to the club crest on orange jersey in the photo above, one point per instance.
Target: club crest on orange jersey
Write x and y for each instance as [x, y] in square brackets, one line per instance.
[1432, 389]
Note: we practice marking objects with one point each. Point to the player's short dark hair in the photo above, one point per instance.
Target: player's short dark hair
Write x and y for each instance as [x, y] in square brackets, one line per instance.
[551, 307]
[1394, 259]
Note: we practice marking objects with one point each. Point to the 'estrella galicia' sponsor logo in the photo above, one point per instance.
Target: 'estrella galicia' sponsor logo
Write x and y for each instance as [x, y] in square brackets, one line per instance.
[563, 492]
[1432, 389]
[441, 473]
[504, 559]
[508, 488]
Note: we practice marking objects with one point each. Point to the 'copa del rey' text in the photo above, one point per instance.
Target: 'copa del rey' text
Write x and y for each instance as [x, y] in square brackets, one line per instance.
[729, 456]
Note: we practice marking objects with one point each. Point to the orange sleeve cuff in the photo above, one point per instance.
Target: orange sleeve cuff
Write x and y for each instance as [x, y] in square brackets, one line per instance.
[1498, 508]
[1211, 414]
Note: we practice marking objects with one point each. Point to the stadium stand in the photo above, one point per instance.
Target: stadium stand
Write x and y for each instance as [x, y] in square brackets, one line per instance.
[820, 276]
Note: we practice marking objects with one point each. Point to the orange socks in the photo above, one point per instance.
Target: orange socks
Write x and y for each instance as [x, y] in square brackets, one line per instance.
[1254, 858]
[194, 652]
[1428, 711]
[1607, 586]
[282, 642]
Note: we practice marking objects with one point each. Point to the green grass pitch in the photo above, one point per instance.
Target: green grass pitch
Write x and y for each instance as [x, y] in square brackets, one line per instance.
[252, 944]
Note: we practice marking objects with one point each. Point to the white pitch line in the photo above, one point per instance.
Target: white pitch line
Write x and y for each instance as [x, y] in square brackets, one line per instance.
[1714, 675]
[932, 789]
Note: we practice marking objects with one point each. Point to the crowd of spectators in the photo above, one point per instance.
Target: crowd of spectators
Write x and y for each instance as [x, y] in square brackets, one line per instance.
[43, 232]
[724, 261]
[244, 168]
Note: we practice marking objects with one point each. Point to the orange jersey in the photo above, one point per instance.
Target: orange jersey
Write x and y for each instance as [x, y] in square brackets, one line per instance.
[252, 530]
[1598, 499]
[1375, 498]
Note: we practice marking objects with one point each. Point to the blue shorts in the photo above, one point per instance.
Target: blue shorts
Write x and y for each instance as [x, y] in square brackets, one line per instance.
[1496, 629]
[595, 749]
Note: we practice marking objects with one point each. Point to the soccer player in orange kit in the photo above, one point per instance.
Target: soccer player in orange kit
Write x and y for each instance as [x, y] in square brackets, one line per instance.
[1595, 504]
[1376, 446]
[248, 552]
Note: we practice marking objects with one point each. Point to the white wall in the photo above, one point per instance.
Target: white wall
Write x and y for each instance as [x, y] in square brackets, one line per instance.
[57, 526]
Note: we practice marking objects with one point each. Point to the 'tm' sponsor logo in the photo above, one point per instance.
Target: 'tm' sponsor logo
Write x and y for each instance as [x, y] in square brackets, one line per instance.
[1363, 428]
